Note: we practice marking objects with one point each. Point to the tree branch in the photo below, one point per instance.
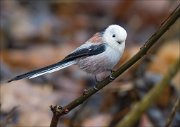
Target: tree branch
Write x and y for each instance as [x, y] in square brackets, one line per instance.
[173, 112]
[139, 108]
[57, 112]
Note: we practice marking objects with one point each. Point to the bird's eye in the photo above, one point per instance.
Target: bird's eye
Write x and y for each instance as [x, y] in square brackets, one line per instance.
[113, 35]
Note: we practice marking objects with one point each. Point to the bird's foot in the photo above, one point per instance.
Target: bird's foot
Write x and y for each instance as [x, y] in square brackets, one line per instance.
[96, 80]
[85, 92]
[111, 77]
[95, 87]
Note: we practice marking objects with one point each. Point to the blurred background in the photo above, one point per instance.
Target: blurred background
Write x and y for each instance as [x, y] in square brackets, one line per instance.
[35, 34]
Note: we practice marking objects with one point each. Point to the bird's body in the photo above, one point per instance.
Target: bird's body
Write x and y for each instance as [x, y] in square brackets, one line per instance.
[98, 63]
[97, 55]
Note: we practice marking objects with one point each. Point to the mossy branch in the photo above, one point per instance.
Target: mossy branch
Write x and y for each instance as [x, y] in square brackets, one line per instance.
[59, 111]
[139, 108]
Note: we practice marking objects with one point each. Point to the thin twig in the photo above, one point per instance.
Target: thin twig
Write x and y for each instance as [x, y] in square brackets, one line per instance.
[139, 108]
[145, 48]
[173, 112]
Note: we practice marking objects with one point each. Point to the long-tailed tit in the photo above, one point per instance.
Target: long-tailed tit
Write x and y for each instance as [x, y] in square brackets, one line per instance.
[97, 55]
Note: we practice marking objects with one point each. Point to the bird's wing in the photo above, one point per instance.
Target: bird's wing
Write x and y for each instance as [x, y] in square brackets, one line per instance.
[84, 51]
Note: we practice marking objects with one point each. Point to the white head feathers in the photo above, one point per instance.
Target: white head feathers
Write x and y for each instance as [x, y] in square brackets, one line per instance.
[115, 36]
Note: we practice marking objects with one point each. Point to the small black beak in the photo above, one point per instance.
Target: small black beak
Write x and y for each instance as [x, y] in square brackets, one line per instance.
[119, 42]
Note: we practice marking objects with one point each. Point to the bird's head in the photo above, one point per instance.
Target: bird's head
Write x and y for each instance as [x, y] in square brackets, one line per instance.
[115, 36]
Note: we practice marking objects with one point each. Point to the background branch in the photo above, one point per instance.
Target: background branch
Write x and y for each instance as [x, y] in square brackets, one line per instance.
[139, 108]
[173, 112]
[57, 112]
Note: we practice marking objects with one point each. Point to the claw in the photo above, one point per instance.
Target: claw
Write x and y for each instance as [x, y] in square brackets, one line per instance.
[96, 88]
[111, 76]
[85, 92]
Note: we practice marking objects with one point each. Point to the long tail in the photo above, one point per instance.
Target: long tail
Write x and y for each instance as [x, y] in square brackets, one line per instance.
[42, 71]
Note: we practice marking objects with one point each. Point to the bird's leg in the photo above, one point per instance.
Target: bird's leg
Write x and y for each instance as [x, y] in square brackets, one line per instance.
[96, 80]
[111, 76]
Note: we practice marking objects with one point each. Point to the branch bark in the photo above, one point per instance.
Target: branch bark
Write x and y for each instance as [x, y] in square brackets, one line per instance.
[173, 113]
[139, 108]
[57, 112]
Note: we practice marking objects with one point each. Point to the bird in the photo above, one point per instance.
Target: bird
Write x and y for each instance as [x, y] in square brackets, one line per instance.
[96, 56]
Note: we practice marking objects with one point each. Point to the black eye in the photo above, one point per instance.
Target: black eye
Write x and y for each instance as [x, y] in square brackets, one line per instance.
[113, 35]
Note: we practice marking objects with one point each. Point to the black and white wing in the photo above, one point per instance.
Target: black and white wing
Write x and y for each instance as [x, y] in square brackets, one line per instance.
[84, 51]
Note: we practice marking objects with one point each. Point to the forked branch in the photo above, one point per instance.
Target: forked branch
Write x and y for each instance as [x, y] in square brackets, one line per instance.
[57, 112]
